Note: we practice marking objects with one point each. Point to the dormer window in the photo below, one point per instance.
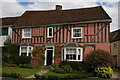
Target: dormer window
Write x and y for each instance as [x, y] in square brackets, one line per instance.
[26, 33]
[50, 32]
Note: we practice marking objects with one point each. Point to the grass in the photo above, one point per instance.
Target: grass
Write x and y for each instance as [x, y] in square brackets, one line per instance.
[24, 72]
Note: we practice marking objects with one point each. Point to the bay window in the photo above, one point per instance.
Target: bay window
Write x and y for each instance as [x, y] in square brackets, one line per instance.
[72, 54]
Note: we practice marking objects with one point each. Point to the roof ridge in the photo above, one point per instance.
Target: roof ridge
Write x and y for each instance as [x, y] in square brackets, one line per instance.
[64, 9]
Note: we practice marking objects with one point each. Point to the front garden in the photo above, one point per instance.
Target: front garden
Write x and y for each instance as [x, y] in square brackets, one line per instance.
[96, 64]
[17, 66]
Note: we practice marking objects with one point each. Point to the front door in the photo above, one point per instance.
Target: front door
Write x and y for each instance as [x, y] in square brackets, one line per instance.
[49, 55]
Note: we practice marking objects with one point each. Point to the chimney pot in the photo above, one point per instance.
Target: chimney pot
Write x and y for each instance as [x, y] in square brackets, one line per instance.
[58, 7]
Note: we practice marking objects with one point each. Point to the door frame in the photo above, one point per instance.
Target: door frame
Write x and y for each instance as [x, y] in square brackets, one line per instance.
[45, 63]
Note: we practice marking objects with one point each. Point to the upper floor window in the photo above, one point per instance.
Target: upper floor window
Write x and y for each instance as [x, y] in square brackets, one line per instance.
[5, 31]
[26, 33]
[26, 51]
[49, 32]
[76, 32]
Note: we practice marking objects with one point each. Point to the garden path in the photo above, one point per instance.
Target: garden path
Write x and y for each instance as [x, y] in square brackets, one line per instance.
[115, 73]
[43, 71]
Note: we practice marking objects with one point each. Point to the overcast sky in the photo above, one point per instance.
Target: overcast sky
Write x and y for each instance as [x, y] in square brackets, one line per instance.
[17, 8]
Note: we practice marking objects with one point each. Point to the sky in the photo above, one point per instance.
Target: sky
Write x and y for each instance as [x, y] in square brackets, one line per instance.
[12, 8]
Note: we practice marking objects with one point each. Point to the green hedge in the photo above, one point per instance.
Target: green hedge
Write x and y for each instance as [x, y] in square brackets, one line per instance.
[14, 75]
[69, 76]
[22, 60]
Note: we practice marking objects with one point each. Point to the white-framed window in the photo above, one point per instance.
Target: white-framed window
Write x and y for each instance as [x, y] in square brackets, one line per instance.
[77, 32]
[26, 50]
[26, 33]
[50, 32]
[72, 54]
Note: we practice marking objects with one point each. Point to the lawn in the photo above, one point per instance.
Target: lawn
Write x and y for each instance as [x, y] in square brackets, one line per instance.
[24, 72]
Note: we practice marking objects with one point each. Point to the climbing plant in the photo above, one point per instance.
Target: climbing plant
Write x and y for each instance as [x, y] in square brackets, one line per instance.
[58, 52]
[38, 54]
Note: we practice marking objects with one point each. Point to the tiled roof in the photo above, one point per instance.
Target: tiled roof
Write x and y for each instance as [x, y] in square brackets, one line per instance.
[115, 35]
[31, 18]
[9, 20]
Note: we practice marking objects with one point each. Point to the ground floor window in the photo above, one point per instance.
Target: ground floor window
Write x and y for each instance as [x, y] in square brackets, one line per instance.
[72, 54]
[26, 50]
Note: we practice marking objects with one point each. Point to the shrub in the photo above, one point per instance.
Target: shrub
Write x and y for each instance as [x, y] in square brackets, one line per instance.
[14, 75]
[58, 70]
[77, 66]
[29, 66]
[68, 76]
[103, 72]
[22, 60]
[98, 58]
[10, 52]
[55, 65]
[67, 68]
[25, 66]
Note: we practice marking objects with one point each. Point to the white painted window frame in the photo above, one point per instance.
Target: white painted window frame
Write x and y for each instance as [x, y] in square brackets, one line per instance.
[27, 50]
[76, 28]
[77, 53]
[23, 30]
[46, 54]
[48, 32]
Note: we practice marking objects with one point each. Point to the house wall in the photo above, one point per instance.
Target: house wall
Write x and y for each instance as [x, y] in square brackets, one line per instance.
[39, 37]
[39, 34]
[115, 51]
[3, 38]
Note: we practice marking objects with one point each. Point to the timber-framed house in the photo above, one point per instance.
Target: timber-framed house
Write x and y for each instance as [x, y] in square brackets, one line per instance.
[64, 34]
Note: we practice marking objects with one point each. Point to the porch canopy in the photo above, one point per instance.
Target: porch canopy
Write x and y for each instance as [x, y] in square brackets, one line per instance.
[72, 44]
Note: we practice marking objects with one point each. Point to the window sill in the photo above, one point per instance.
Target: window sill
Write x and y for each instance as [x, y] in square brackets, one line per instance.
[76, 37]
[50, 37]
[73, 60]
[26, 37]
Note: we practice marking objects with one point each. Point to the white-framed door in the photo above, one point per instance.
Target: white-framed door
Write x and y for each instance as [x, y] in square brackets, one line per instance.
[49, 55]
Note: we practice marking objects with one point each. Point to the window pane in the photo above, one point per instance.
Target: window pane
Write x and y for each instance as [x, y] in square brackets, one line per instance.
[71, 54]
[23, 54]
[76, 32]
[27, 32]
[79, 51]
[23, 49]
[78, 57]
[29, 54]
[50, 31]
[4, 31]
[74, 57]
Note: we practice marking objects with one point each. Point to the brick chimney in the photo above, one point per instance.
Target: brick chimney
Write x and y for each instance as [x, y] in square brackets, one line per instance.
[58, 7]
